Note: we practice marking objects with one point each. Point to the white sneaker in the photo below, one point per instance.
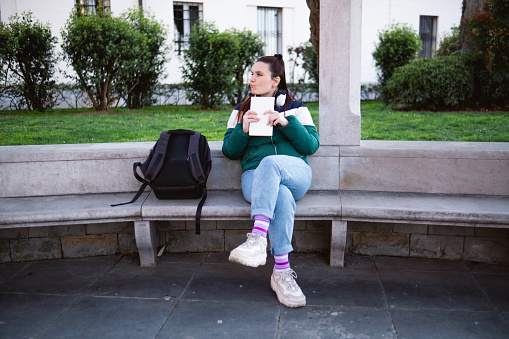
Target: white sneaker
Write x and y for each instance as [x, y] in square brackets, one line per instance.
[287, 291]
[252, 253]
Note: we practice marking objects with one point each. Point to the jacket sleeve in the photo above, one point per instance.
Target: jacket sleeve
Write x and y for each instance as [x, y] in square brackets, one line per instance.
[304, 138]
[235, 142]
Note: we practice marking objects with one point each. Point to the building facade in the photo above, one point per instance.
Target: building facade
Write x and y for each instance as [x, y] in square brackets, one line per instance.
[281, 23]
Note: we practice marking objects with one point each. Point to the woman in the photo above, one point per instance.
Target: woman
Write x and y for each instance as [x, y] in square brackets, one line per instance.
[275, 173]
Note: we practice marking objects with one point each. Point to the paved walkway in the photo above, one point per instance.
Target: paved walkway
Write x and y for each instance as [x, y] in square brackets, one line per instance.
[205, 296]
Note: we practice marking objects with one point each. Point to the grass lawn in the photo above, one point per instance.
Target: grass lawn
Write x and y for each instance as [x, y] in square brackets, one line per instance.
[121, 124]
[385, 124]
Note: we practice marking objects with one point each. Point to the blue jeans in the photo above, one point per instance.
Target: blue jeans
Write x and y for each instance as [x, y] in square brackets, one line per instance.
[272, 189]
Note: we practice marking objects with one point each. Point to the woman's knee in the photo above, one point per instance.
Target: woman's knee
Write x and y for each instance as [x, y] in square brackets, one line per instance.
[269, 161]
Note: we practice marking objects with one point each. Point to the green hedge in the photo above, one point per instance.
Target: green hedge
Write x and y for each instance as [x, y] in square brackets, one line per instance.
[398, 44]
[438, 83]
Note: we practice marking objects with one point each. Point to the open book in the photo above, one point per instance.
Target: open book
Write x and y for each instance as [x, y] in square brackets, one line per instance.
[260, 105]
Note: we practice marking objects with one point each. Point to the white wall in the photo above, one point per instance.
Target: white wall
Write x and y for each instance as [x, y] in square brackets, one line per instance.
[378, 14]
[240, 14]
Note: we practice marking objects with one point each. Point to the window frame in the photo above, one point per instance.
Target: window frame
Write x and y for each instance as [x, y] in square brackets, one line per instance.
[270, 31]
[190, 13]
[428, 34]
[87, 7]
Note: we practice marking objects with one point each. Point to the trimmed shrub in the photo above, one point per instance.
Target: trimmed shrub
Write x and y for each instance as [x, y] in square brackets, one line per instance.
[98, 46]
[215, 64]
[209, 65]
[450, 43]
[398, 45]
[27, 61]
[136, 81]
[434, 84]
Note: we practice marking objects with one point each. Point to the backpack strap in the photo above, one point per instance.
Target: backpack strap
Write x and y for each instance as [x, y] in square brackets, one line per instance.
[155, 165]
[197, 172]
[193, 156]
[158, 158]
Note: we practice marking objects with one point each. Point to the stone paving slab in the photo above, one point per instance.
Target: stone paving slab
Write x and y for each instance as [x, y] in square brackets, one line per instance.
[202, 295]
[450, 324]
[112, 318]
[212, 319]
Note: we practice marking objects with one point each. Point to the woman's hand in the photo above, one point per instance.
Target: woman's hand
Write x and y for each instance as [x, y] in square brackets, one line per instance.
[249, 117]
[275, 118]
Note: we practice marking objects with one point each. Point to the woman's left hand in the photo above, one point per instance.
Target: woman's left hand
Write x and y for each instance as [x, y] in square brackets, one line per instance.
[275, 118]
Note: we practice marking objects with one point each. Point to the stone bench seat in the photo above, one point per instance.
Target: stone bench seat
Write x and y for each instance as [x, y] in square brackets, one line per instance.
[231, 205]
[68, 210]
[339, 208]
[426, 208]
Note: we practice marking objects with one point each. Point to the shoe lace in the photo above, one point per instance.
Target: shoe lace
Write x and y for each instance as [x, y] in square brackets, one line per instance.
[252, 240]
[288, 277]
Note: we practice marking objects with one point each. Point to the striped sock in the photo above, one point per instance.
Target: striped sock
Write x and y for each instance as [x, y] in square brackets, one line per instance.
[282, 262]
[261, 225]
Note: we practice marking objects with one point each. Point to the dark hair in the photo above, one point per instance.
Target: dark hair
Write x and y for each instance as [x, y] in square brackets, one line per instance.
[277, 69]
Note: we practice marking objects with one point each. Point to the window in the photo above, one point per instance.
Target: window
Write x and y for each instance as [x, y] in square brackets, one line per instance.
[428, 34]
[87, 7]
[269, 28]
[185, 15]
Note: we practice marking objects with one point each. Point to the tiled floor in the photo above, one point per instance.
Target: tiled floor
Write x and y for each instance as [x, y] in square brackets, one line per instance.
[205, 296]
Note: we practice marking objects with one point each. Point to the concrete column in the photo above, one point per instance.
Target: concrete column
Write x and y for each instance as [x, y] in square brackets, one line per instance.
[340, 68]
[338, 243]
[145, 234]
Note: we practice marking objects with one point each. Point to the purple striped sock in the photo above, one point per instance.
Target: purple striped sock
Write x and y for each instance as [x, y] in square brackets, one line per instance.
[282, 262]
[261, 225]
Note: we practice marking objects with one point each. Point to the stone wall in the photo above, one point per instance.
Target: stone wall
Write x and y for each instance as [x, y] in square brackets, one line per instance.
[73, 241]
[487, 245]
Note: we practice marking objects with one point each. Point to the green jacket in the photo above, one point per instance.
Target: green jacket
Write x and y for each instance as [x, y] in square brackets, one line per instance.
[299, 138]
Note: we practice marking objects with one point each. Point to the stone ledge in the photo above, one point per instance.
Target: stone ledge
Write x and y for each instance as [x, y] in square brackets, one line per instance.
[427, 167]
[104, 168]
[101, 151]
[74, 152]
[428, 150]
[399, 166]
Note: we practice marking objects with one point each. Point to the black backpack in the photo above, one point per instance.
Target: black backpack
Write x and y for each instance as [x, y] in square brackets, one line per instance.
[177, 167]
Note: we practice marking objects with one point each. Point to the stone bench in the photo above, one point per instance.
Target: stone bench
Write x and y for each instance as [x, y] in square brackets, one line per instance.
[61, 185]
[429, 186]
[454, 184]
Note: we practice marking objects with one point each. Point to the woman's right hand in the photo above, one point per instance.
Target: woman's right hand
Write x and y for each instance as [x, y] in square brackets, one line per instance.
[249, 117]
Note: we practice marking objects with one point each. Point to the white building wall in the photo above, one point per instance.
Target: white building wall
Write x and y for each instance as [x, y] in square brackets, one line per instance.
[376, 15]
[226, 14]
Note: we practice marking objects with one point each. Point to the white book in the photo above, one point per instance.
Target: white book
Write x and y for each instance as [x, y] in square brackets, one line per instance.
[260, 105]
